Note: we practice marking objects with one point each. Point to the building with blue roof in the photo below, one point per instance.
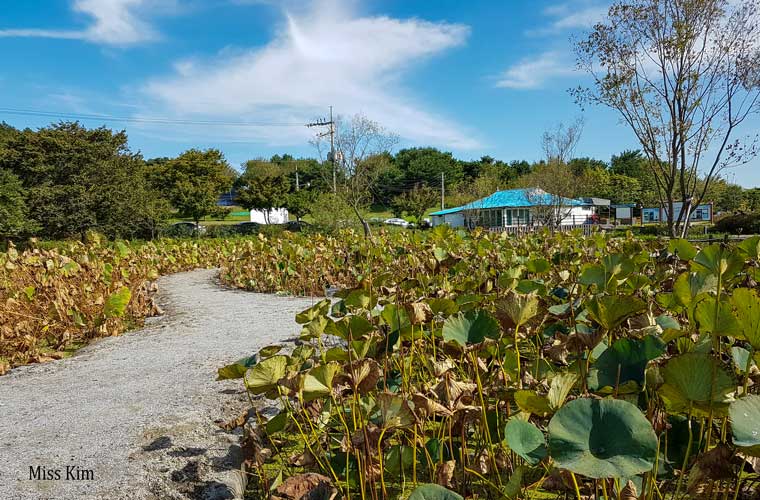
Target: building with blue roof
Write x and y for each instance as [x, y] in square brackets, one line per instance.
[517, 207]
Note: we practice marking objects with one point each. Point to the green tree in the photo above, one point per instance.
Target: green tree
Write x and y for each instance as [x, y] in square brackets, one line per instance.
[260, 190]
[14, 216]
[415, 202]
[633, 164]
[751, 199]
[193, 181]
[78, 179]
[425, 166]
[300, 203]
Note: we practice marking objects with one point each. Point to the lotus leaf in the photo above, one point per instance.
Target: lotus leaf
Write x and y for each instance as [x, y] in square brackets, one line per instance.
[531, 402]
[689, 383]
[236, 369]
[718, 261]
[602, 439]
[318, 381]
[470, 328]
[116, 304]
[625, 361]
[611, 310]
[433, 492]
[745, 423]
[526, 440]
[517, 309]
[747, 305]
[264, 376]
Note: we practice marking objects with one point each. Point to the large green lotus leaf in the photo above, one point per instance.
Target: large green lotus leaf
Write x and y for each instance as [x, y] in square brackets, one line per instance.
[723, 324]
[625, 362]
[682, 248]
[751, 247]
[611, 310]
[745, 423]
[318, 381]
[470, 328]
[321, 308]
[747, 305]
[688, 285]
[117, 302]
[688, 380]
[531, 402]
[360, 299]
[602, 438]
[617, 265]
[538, 266]
[354, 327]
[264, 376]
[593, 274]
[718, 261]
[395, 317]
[433, 492]
[526, 440]
[517, 308]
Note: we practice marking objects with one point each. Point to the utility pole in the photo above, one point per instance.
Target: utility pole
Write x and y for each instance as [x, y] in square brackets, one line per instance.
[332, 151]
[298, 187]
[331, 123]
[443, 192]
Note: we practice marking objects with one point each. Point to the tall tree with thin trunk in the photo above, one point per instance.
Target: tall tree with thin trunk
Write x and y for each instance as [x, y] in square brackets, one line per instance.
[359, 145]
[552, 184]
[684, 75]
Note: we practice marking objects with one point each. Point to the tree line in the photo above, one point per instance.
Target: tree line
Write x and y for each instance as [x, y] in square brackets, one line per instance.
[63, 180]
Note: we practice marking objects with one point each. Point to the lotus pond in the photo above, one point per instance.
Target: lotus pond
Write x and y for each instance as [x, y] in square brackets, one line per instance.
[455, 365]
[482, 366]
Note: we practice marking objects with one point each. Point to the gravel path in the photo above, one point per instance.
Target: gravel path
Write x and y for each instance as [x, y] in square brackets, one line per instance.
[138, 410]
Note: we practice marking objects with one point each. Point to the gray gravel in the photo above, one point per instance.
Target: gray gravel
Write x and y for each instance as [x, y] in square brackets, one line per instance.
[139, 410]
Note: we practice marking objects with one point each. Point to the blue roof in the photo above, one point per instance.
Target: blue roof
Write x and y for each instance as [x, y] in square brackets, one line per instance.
[514, 198]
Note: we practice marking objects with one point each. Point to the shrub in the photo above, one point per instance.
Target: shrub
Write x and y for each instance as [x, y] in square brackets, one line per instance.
[739, 224]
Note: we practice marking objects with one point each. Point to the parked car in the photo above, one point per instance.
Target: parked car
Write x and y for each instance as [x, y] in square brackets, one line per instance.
[396, 221]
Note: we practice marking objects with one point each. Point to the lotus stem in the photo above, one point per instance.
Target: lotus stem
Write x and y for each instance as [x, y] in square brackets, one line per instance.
[575, 485]
[686, 457]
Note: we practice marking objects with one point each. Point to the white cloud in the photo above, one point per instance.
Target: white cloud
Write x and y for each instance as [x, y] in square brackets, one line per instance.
[532, 73]
[323, 55]
[114, 22]
[572, 15]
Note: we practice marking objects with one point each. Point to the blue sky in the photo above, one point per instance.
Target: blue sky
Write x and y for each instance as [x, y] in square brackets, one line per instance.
[472, 77]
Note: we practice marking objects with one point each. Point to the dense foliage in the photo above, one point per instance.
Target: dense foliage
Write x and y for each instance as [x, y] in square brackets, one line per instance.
[491, 366]
[73, 180]
[501, 367]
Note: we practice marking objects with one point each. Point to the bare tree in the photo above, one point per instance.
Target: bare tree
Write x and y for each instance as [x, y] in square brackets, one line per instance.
[552, 185]
[360, 144]
[684, 75]
[559, 144]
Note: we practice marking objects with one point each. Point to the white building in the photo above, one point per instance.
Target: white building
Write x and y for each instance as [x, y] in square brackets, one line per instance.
[276, 216]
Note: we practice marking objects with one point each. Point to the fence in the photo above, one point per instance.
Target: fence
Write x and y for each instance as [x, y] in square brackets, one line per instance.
[587, 229]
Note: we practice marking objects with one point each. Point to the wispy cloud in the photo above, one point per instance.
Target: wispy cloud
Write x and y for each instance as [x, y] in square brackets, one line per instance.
[534, 72]
[324, 54]
[113, 22]
[571, 15]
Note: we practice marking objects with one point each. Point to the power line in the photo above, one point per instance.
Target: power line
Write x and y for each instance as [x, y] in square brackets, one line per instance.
[165, 121]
